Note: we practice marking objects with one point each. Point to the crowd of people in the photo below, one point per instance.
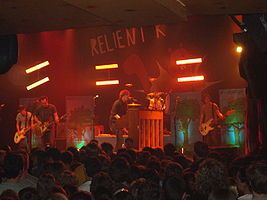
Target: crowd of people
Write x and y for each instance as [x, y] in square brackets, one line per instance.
[97, 172]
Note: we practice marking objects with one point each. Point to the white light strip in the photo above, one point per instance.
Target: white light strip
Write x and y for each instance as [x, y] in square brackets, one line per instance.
[191, 78]
[110, 66]
[37, 67]
[188, 61]
[109, 82]
[40, 82]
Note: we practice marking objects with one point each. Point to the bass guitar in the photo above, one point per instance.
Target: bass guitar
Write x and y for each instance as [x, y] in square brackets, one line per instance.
[209, 125]
[19, 135]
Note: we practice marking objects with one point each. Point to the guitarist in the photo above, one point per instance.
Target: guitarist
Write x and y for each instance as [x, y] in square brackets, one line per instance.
[210, 110]
[24, 120]
[46, 116]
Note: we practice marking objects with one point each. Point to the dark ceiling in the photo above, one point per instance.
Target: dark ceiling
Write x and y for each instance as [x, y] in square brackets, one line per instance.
[24, 16]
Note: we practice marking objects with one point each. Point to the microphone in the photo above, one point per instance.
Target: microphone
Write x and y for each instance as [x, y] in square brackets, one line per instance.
[96, 96]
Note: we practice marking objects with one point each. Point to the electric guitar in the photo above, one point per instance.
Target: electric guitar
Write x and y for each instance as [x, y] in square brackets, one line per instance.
[46, 125]
[209, 125]
[19, 135]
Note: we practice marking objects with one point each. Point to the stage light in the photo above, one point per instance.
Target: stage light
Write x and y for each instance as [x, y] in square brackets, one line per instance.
[190, 78]
[40, 82]
[239, 49]
[108, 82]
[128, 85]
[189, 61]
[37, 67]
[110, 66]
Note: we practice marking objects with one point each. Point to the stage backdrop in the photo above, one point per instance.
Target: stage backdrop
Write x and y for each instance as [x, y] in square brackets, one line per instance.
[80, 123]
[233, 132]
[185, 110]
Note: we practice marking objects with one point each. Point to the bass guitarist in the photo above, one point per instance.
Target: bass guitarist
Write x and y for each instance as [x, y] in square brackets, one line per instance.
[46, 116]
[210, 112]
[24, 120]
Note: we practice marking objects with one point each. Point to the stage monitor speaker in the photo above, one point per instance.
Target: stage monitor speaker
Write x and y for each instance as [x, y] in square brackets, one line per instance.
[8, 52]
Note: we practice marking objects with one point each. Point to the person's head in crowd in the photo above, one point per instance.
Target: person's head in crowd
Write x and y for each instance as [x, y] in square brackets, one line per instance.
[142, 157]
[53, 153]
[56, 196]
[189, 178]
[119, 170]
[29, 193]
[67, 158]
[222, 194]
[81, 195]
[136, 172]
[92, 149]
[169, 149]
[9, 194]
[102, 193]
[75, 153]
[105, 162]
[257, 178]
[45, 184]
[126, 155]
[159, 153]
[70, 190]
[13, 165]
[174, 188]
[37, 161]
[132, 153]
[153, 163]
[92, 166]
[242, 182]
[148, 149]
[211, 175]
[183, 161]
[102, 180]
[145, 190]
[122, 194]
[68, 178]
[107, 148]
[94, 141]
[129, 143]
[56, 169]
[201, 150]
[152, 175]
[173, 169]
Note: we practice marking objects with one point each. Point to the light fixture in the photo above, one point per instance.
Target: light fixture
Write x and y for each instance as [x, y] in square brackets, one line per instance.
[40, 82]
[109, 66]
[37, 67]
[189, 61]
[239, 49]
[190, 78]
[107, 82]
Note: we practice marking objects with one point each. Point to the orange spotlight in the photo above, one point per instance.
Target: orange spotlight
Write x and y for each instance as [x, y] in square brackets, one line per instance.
[40, 82]
[110, 66]
[190, 78]
[128, 85]
[189, 61]
[239, 49]
[37, 67]
[108, 82]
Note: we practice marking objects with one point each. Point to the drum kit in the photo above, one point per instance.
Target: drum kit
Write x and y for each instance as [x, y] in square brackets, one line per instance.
[156, 101]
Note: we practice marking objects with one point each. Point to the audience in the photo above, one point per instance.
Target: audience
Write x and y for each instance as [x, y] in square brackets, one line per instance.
[96, 172]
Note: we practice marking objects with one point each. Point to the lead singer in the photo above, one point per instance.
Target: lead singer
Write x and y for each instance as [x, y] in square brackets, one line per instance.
[119, 108]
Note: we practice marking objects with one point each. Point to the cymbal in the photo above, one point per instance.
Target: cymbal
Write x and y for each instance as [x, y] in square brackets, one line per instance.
[155, 93]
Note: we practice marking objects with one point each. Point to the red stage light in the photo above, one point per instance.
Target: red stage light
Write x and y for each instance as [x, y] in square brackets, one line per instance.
[40, 82]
